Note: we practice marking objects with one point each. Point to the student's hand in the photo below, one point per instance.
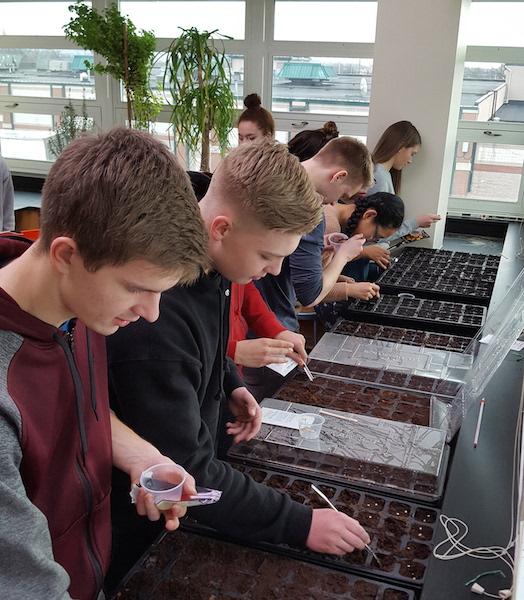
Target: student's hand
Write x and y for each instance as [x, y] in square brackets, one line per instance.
[427, 220]
[353, 247]
[378, 254]
[345, 279]
[248, 415]
[334, 532]
[145, 504]
[262, 351]
[363, 290]
[299, 354]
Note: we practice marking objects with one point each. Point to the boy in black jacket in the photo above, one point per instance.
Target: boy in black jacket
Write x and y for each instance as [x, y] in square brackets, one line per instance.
[168, 379]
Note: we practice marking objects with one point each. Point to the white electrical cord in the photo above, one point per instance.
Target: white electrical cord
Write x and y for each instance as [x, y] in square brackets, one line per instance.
[452, 546]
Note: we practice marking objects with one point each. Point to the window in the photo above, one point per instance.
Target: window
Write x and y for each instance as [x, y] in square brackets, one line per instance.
[315, 84]
[46, 73]
[492, 92]
[164, 17]
[488, 171]
[495, 24]
[34, 18]
[325, 21]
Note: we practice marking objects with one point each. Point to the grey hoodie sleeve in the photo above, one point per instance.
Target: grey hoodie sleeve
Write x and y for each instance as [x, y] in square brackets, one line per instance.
[7, 199]
[27, 567]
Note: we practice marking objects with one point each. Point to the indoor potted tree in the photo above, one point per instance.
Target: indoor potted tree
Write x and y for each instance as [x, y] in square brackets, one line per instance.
[128, 56]
[197, 84]
[69, 127]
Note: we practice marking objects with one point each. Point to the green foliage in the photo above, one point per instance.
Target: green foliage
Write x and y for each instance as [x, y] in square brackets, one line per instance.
[71, 126]
[198, 77]
[128, 55]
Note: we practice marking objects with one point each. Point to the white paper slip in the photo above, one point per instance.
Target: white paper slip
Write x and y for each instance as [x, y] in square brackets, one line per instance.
[283, 368]
[518, 346]
[282, 418]
[486, 339]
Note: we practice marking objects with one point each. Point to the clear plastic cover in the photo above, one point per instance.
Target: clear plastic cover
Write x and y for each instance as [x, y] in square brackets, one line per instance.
[392, 356]
[352, 448]
[503, 327]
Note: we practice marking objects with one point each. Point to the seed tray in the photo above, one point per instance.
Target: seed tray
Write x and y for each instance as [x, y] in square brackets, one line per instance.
[447, 258]
[390, 379]
[396, 458]
[395, 405]
[391, 363]
[475, 286]
[402, 533]
[439, 341]
[189, 566]
[433, 315]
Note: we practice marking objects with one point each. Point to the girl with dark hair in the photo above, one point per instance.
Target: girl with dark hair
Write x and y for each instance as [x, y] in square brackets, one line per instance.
[308, 142]
[375, 217]
[255, 123]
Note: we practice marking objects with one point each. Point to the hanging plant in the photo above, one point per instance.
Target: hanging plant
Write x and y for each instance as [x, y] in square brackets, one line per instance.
[197, 84]
[128, 56]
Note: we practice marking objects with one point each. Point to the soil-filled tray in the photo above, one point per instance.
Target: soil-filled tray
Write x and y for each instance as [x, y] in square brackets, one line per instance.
[447, 258]
[396, 405]
[397, 458]
[426, 369]
[189, 566]
[440, 341]
[432, 315]
[453, 276]
[402, 533]
[403, 381]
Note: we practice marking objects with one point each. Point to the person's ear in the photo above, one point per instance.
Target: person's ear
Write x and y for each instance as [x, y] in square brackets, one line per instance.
[369, 214]
[61, 253]
[220, 227]
[339, 176]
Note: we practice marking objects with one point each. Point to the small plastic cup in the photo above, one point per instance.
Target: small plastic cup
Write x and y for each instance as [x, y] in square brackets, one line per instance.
[164, 481]
[310, 425]
[337, 239]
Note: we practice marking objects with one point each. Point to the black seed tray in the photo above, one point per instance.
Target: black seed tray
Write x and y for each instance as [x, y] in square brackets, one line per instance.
[390, 379]
[453, 276]
[387, 479]
[432, 315]
[447, 258]
[189, 566]
[402, 533]
[413, 337]
[395, 405]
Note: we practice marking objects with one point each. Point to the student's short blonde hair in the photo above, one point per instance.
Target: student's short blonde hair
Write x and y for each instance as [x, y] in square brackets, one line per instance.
[351, 155]
[270, 186]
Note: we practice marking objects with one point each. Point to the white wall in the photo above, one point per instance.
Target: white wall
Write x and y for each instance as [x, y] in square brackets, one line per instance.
[417, 76]
[516, 83]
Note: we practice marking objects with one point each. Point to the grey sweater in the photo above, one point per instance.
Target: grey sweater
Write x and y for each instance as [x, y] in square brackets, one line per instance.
[7, 198]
